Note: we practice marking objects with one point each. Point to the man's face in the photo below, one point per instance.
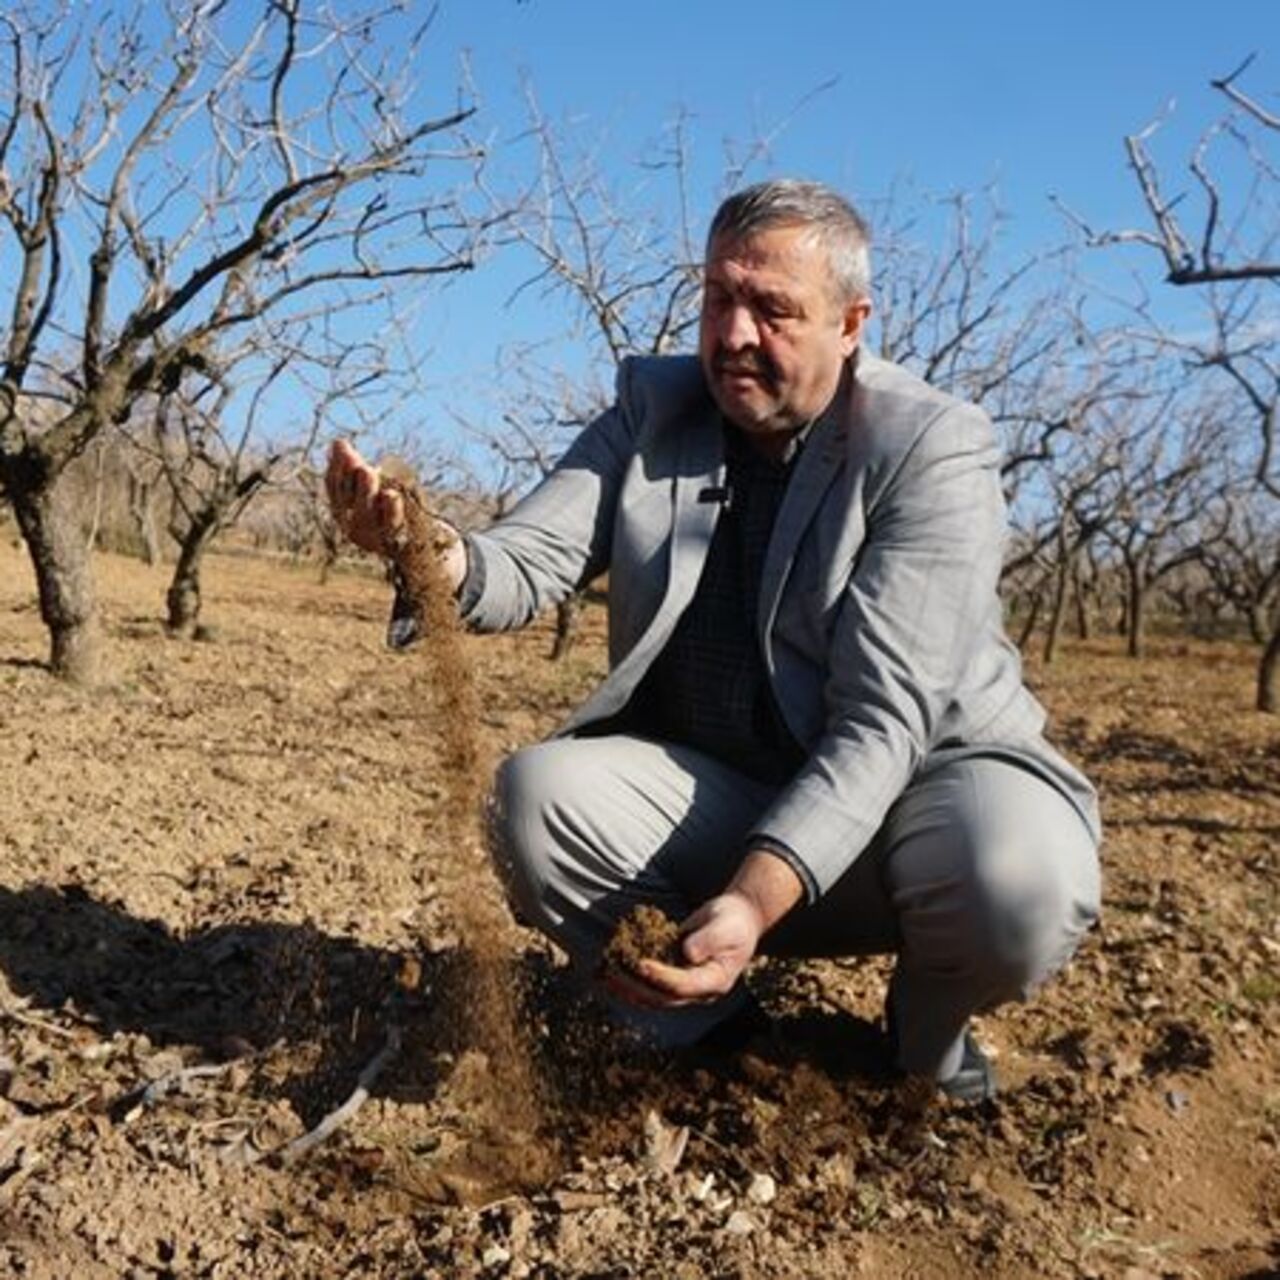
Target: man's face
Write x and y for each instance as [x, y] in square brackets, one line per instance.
[773, 339]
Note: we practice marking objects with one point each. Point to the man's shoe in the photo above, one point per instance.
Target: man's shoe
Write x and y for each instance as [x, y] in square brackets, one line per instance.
[975, 1081]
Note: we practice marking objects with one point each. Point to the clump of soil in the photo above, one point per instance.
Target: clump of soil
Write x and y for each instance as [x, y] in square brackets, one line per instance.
[645, 933]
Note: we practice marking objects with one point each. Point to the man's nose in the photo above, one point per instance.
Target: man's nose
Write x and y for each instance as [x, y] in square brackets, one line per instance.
[738, 328]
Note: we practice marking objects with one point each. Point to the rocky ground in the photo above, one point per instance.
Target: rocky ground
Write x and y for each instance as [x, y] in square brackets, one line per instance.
[222, 908]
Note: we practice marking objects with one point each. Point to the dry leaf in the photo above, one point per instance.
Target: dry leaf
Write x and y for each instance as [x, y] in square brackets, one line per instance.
[664, 1144]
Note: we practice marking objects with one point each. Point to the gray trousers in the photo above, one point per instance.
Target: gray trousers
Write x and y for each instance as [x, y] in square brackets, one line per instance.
[982, 879]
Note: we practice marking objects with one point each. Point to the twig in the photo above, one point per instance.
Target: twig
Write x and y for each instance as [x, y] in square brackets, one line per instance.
[130, 1105]
[299, 1147]
[15, 1014]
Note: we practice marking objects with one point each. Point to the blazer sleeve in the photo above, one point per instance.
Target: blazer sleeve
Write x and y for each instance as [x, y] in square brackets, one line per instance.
[918, 602]
[559, 537]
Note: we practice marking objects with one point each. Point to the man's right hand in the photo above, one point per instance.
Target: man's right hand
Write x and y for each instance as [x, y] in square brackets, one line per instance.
[369, 514]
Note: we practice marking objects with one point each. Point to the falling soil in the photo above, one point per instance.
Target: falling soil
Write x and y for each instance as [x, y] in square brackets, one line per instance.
[481, 997]
[644, 933]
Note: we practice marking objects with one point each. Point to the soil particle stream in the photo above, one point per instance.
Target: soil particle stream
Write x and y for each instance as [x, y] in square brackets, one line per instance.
[482, 999]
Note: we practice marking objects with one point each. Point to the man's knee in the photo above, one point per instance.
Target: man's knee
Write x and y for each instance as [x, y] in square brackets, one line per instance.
[515, 825]
[1028, 913]
[999, 884]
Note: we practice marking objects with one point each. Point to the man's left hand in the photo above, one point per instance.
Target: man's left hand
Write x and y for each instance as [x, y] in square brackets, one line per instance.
[718, 941]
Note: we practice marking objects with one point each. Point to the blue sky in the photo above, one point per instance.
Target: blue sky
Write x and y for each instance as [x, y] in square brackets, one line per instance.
[1034, 98]
[1027, 99]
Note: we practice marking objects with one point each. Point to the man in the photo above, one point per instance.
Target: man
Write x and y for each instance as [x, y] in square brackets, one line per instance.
[813, 738]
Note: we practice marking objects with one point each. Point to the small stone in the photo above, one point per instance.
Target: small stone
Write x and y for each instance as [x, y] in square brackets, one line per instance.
[495, 1256]
[740, 1223]
[763, 1189]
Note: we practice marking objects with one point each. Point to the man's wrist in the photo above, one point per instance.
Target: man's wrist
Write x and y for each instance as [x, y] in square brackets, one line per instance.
[762, 842]
[767, 882]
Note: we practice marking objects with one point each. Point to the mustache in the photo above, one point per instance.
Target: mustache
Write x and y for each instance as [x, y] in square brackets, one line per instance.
[755, 363]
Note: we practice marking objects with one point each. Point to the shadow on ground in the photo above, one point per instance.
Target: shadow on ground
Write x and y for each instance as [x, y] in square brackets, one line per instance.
[236, 988]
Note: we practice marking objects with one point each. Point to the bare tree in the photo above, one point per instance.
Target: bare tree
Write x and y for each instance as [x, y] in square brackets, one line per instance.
[1235, 356]
[214, 468]
[625, 255]
[1163, 482]
[1000, 334]
[1232, 256]
[1231, 239]
[1059, 512]
[187, 194]
[530, 443]
[1243, 563]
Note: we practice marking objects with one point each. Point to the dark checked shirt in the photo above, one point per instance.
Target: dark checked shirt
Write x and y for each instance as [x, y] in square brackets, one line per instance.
[708, 688]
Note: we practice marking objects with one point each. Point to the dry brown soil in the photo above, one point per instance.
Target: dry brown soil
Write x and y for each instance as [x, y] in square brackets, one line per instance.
[644, 933]
[222, 901]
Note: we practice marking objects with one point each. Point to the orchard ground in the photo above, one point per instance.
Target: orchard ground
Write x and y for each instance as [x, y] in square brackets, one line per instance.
[219, 897]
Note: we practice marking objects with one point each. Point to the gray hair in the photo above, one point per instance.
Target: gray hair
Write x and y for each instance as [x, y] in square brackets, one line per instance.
[835, 224]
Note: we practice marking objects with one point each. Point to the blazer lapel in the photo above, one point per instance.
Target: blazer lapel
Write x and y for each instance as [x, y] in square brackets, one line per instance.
[816, 468]
[697, 507]
[701, 471]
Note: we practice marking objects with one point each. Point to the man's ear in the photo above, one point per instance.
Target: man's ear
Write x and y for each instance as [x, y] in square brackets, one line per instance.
[852, 323]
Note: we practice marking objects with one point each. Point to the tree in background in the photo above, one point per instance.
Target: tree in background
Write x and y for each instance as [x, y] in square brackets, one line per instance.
[1226, 244]
[625, 258]
[188, 196]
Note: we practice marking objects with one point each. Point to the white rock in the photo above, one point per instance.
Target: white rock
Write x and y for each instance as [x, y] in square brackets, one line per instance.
[763, 1189]
[494, 1256]
[702, 1189]
[740, 1223]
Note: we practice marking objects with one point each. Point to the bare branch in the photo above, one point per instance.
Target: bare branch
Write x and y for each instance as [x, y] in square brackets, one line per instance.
[1227, 85]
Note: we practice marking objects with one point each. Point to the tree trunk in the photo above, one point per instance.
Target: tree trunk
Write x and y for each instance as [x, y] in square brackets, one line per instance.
[1259, 624]
[330, 549]
[143, 518]
[1033, 616]
[1268, 671]
[183, 597]
[99, 484]
[567, 612]
[1137, 611]
[1054, 631]
[62, 566]
[1083, 627]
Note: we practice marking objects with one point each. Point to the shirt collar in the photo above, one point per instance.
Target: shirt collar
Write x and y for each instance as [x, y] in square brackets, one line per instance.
[738, 443]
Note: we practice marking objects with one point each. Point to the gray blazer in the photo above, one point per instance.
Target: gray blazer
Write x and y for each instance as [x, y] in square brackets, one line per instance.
[878, 619]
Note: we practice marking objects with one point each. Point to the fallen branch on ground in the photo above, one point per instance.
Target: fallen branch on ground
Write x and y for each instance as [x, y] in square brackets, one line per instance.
[295, 1150]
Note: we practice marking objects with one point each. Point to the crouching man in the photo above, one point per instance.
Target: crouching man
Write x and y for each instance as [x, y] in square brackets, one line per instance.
[813, 738]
